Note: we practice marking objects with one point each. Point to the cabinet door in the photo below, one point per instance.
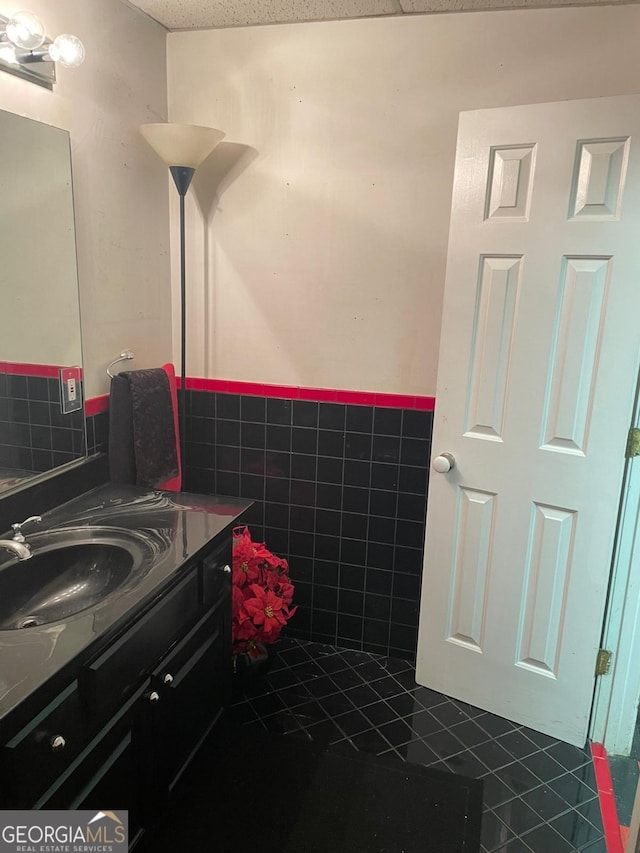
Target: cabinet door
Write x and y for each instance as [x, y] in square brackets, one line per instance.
[51, 742]
[114, 770]
[194, 685]
[115, 783]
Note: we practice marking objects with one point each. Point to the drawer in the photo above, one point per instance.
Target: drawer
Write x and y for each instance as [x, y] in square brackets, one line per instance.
[207, 631]
[44, 749]
[107, 680]
[215, 580]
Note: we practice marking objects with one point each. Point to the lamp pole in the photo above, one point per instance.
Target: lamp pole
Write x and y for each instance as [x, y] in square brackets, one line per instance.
[182, 176]
[188, 144]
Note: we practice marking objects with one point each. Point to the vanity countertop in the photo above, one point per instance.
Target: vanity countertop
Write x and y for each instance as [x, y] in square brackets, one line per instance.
[178, 525]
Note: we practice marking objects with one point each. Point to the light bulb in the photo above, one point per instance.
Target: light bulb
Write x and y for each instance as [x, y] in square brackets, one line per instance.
[25, 30]
[8, 54]
[68, 50]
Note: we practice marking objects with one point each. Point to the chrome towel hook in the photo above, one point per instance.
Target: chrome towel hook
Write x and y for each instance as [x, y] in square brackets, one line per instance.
[124, 356]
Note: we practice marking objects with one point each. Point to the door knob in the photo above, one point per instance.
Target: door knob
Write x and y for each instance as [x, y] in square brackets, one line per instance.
[227, 570]
[443, 463]
[167, 678]
[153, 696]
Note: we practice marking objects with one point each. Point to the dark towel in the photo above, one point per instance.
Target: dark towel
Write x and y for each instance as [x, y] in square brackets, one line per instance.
[174, 484]
[142, 436]
[122, 461]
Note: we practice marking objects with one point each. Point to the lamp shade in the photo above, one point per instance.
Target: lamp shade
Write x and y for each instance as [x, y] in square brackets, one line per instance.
[181, 144]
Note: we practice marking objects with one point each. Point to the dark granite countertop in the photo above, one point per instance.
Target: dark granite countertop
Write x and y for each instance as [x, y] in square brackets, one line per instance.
[177, 525]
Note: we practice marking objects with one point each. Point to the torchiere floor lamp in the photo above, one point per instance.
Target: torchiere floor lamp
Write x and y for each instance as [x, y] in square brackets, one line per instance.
[183, 147]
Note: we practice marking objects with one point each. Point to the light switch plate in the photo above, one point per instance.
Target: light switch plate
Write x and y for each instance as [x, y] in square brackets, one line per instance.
[70, 389]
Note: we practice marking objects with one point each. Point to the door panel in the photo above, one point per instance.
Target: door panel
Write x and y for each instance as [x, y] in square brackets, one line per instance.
[538, 362]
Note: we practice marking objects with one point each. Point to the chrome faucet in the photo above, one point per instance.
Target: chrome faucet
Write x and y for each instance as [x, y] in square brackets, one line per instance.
[18, 544]
[22, 552]
[18, 535]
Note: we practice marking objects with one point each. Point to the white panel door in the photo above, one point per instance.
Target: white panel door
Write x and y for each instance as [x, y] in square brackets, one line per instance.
[537, 369]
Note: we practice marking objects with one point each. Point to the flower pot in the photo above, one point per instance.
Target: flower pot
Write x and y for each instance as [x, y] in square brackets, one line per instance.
[250, 667]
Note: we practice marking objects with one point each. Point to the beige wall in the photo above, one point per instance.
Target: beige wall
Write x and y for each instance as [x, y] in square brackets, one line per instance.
[120, 188]
[324, 260]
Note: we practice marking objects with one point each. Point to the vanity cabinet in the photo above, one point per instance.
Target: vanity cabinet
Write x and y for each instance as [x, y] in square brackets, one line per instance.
[136, 707]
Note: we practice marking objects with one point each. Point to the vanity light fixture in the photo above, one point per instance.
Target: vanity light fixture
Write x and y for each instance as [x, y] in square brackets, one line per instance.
[182, 147]
[27, 52]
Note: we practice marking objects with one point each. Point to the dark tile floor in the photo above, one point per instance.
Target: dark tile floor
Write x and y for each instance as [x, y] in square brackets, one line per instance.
[539, 793]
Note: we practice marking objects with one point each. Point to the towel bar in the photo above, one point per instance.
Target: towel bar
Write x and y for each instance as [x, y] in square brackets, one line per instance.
[124, 356]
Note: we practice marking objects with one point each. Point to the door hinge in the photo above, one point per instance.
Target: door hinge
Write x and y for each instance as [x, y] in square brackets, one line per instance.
[633, 443]
[603, 662]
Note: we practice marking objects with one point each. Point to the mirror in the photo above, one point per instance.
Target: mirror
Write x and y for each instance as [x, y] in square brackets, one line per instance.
[40, 343]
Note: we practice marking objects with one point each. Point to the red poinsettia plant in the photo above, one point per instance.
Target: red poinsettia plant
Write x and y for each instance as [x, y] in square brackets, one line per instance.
[262, 596]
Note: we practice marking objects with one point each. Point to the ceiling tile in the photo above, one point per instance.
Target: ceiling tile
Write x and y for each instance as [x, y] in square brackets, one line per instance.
[479, 5]
[210, 14]
[203, 14]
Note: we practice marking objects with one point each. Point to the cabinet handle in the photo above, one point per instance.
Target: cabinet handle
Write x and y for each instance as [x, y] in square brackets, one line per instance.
[153, 696]
[227, 570]
[57, 743]
[167, 678]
